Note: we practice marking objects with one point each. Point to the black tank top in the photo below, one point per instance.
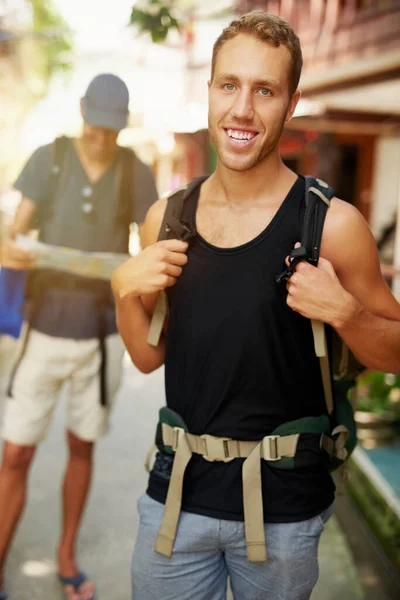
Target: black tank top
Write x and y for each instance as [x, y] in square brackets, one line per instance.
[239, 363]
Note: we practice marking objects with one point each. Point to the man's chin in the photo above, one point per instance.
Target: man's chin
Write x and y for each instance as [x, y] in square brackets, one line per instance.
[238, 164]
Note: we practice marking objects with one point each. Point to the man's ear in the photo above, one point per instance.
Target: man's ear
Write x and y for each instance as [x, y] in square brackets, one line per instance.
[292, 105]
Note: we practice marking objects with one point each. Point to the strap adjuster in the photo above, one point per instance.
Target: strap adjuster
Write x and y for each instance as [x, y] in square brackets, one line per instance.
[216, 448]
[270, 448]
[176, 436]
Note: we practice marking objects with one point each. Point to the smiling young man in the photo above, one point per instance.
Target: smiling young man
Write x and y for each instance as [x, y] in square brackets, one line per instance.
[238, 348]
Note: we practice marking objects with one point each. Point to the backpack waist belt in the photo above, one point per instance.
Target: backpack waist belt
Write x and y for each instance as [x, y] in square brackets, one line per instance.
[271, 448]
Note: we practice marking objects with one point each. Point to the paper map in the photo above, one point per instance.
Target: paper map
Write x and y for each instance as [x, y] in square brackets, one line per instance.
[99, 265]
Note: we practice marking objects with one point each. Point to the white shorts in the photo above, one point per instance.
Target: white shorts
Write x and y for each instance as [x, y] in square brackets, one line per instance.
[49, 362]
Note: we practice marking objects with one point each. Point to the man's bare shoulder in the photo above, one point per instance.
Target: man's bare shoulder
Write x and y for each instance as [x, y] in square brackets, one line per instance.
[156, 212]
[346, 234]
[342, 217]
[152, 223]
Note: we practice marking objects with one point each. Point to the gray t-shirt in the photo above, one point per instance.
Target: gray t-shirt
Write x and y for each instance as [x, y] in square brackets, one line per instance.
[72, 314]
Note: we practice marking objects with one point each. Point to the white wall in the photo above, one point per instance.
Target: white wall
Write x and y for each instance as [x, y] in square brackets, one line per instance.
[386, 182]
[396, 280]
[386, 194]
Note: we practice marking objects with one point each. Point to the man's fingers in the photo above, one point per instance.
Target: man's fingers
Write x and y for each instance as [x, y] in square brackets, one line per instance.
[13, 254]
[174, 245]
[287, 259]
[176, 258]
[173, 270]
[325, 265]
[170, 281]
[12, 263]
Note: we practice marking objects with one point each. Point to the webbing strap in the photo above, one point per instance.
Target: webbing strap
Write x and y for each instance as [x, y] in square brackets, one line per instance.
[318, 329]
[340, 443]
[253, 507]
[157, 320]
[212, 448]
[320, 195]
[169, 525]
[149, 456]
[22, 346]
[225, 449]
[326, 382]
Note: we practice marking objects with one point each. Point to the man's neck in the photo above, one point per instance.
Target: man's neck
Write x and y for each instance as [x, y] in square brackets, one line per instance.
[266, 180]
[90, 161]
[94, 169]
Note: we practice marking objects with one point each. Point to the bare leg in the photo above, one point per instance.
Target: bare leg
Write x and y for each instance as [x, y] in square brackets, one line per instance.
[76, 487]
[13, 484]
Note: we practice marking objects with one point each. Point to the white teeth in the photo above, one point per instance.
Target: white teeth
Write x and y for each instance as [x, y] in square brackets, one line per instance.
[240, 135]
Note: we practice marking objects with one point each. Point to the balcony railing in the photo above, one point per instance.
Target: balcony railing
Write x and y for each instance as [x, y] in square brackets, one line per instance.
[334, 32]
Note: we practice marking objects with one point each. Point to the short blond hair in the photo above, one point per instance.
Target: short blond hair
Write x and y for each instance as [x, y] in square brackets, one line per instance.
[266, 28]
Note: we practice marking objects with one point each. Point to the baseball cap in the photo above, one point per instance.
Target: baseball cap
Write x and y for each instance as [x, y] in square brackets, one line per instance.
[105, 103]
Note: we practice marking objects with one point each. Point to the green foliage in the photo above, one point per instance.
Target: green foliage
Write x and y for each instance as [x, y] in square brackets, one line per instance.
[154, 18]
[379, 393]
[54, 37]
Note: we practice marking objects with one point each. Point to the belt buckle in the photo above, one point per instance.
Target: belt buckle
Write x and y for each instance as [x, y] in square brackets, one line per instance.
[270, 443]
[216, 448]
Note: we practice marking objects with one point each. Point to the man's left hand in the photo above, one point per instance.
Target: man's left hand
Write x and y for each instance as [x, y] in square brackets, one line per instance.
[316, 293]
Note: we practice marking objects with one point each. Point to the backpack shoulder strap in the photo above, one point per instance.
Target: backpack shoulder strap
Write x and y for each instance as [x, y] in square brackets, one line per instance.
[318, 197]
[124, 188]
[172, 227]
[59, 167]
[60, 146]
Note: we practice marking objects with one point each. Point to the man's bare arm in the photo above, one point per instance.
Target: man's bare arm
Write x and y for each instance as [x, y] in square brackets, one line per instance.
[136, 285]
[11, 255]
[347, 290]
[23, 217]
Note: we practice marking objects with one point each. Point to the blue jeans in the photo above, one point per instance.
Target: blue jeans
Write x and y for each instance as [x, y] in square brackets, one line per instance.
[208, 550]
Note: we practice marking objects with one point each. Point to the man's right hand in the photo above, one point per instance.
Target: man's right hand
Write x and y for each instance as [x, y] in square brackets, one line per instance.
[154, 269]
[14, 257]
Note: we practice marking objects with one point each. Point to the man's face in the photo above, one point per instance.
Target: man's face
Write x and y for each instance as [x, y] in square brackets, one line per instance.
[100, 143]
[249, 101]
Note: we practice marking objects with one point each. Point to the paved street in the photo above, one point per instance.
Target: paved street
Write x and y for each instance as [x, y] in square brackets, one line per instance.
[111, 521]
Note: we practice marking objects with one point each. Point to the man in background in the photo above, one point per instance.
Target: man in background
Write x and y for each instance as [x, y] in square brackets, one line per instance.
[84, 193]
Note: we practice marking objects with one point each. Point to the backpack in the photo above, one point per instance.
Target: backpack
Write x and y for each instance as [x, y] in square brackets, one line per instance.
[339, 366]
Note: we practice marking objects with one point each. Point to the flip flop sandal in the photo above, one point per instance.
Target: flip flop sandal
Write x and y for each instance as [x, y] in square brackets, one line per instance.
[75, 582]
